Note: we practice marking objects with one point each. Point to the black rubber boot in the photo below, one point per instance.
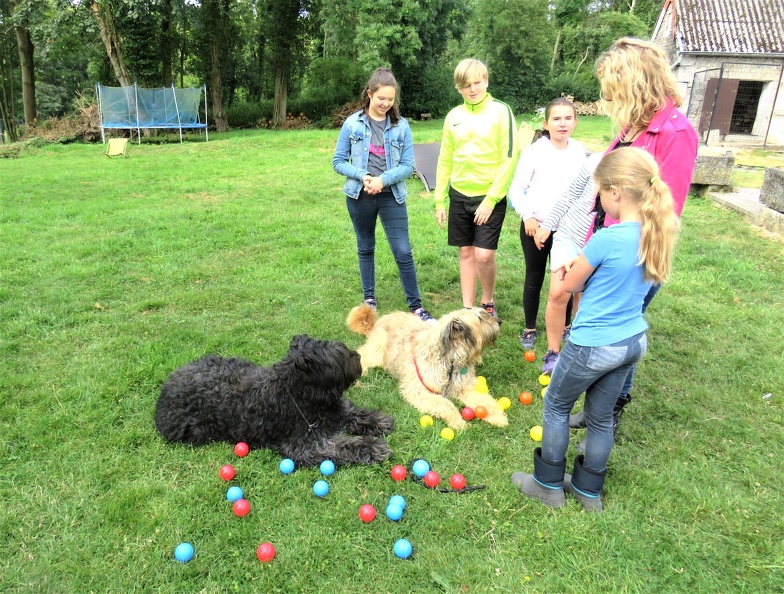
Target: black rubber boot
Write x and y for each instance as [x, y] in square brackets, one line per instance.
[585, 485]
[622, 401]
[546, 483]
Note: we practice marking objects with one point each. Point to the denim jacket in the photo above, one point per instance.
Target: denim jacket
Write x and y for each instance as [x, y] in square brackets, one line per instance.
[351, 155]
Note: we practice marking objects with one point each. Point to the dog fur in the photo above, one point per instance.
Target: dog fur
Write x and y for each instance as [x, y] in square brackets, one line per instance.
[296, 407]
[433, 363]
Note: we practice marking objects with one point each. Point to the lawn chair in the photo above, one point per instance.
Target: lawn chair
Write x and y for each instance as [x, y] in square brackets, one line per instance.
[117, 147]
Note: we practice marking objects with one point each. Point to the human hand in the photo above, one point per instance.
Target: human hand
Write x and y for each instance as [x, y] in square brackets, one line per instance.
[564, 270]
[482, 214]
[441, 217]
[540, 237]
[531, 226]
[373, 185]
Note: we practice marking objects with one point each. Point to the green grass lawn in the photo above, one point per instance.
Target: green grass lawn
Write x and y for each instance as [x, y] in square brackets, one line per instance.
[116, 272]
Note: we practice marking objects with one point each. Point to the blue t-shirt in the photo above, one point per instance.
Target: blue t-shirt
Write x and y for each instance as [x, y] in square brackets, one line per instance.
[611, 304]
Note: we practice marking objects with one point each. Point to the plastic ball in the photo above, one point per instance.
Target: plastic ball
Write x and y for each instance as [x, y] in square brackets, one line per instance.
[226, 472]
[467, 413]
[544, 379]
[525, 398]
[321, 488]
[536, 433]
[544, 392]
[403, 549]
[241, 449]
[480, 412]
[286, 466]
[241, 508]
[266, 552]
[458, 481]
[426, 421]
[367, 513]
[482, 388]
[432, 478]
[398, 500]
[504, 403]
[529, 356]
[447, 433]
[234, 494]
[184, 552]
[398, 472]
[420, 468]
[480, 379]
[394, 512]
[327, 468]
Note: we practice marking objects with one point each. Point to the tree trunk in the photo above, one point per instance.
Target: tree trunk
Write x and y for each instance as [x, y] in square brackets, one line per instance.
[26, 49]
[218, 115]
[166, 43]
[555, 49]
[281, 96]
[103, 15]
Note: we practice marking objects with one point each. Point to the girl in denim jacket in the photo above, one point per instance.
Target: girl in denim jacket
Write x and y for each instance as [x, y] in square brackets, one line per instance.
[375, 152]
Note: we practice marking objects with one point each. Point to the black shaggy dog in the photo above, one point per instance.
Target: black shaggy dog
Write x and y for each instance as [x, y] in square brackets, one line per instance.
[296, 407]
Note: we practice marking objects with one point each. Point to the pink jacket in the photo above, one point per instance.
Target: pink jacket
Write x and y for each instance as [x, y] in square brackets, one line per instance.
[672, 141]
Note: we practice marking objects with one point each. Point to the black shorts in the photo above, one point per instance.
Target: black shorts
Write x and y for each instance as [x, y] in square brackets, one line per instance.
[462, 231]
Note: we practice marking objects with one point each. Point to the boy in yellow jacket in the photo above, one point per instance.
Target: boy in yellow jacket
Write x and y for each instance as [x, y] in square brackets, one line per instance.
[475, 167]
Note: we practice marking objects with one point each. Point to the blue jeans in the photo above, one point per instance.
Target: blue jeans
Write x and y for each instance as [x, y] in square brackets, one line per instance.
[600, 373]
[394, 218]
[627, 384]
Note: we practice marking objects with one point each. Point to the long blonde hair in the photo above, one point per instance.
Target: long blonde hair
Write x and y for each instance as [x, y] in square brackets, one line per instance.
[636, 81]
[636, 175]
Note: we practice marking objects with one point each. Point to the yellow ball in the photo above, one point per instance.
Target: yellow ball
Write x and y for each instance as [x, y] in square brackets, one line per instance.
[426, 421]
[482, 388]
[544, 379]
[536, 433]
[504, 403]
[544, 392]
[480, 379]
[447, 434]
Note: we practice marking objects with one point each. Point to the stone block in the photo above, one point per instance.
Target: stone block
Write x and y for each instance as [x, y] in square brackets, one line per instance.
[772, 192]
[713, 169]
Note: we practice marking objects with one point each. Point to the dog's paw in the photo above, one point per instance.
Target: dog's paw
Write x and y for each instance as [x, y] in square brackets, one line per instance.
[456, 423]
[496, 416]
[386, 425]
[379, 451]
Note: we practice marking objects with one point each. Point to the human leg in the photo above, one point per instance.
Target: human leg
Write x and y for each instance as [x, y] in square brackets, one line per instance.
[468, 275]
[394, 219]
[486, 238]
[535, 270]
[487, 270]
[363, 212]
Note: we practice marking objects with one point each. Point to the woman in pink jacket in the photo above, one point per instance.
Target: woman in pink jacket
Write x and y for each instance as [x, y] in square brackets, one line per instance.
[641, 96]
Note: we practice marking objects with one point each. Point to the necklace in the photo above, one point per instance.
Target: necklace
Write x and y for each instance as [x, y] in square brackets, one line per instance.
[635, 132]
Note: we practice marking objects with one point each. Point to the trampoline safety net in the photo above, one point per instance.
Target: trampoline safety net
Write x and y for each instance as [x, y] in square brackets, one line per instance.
[134, 108]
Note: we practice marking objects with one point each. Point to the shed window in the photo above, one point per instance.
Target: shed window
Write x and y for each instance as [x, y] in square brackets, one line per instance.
[744, 112]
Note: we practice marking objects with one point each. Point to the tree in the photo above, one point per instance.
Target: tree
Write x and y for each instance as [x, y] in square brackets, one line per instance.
[20, 16]
[103, 12]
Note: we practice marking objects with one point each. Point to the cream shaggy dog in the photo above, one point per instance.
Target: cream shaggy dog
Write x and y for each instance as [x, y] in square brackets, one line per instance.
[433, 363]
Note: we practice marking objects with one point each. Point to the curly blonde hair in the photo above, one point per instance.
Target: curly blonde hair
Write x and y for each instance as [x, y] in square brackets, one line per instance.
[636, 175]
[636, 81]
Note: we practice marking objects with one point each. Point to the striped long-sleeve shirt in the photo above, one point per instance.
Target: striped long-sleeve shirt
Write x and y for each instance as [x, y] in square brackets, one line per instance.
[573, 213]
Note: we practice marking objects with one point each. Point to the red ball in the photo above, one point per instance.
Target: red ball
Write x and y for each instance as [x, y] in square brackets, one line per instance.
[367, 513]
[241, 507]
[457, 481]
[398, 472]
[432, 478]
[226, 472]
[241, 449]
[467, 413]
[266, 552]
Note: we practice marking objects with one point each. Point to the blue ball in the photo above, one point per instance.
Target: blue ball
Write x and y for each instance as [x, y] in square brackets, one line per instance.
[184, 552]
[286, 466]
[398, 500]
[403, 548]
[394, 512]
[234, 493]
[321, 488]
[327, 467]
[420, 468]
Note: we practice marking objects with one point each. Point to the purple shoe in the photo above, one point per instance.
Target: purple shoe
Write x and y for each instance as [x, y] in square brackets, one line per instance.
[550, 359]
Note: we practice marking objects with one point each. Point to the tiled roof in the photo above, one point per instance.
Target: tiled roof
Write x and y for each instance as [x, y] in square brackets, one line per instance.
[731, 26]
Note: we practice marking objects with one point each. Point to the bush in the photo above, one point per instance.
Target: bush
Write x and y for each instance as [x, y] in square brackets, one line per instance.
[585, 89]
[431, 90]
[244, 114]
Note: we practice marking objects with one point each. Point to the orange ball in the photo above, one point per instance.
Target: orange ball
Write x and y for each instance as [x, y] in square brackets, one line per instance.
[480, 412]
[525, 398]
[529, 356]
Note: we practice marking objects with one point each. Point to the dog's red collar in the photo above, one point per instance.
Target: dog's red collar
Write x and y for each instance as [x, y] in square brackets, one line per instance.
[421, 379]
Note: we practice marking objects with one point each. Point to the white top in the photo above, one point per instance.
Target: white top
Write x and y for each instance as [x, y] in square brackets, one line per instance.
[543, 174]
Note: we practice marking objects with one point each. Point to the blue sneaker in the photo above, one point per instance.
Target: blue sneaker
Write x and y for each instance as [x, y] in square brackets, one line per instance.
[550, 359]
[424, 315]
[528, 338]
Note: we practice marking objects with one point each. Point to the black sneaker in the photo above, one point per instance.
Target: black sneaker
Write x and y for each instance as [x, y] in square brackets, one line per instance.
[424, 315]
[490, 308]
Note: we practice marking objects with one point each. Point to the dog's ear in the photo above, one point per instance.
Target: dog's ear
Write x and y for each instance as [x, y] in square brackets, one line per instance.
[323, 363]
[458, 338]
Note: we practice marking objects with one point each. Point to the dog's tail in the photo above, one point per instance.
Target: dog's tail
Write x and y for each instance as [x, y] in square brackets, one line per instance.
[361, 319]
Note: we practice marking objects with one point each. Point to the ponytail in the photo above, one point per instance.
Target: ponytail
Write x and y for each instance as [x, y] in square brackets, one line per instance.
[636, 173]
